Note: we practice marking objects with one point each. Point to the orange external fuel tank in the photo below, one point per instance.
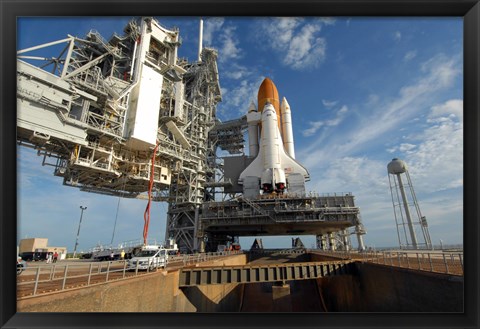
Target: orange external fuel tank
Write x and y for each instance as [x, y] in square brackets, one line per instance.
[268, 93]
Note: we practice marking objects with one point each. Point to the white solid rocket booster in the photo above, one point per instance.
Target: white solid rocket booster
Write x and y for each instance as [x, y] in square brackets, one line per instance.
[287, 130]
[252, 131]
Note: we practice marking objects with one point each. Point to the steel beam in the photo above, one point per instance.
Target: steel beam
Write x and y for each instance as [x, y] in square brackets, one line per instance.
[261, 273]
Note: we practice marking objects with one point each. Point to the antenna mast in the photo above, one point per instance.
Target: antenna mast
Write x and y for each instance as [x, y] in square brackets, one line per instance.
[200, 40]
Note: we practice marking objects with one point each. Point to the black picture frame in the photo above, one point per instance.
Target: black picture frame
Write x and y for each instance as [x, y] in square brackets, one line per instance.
[11, 9]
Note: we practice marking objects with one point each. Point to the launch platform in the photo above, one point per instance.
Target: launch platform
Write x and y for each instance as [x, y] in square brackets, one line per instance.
[281, 215]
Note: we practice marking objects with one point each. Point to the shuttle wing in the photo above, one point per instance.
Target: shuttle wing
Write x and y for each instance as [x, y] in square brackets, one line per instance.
[288, 164]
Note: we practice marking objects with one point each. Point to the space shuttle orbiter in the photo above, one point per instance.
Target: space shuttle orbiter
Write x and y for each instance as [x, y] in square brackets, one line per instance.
[274, 168]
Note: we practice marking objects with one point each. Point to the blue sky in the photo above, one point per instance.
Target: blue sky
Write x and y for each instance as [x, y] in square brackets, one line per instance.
[362, 91]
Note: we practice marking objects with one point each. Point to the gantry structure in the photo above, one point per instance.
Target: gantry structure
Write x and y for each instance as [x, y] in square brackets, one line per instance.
[127, 117]
[101, 110]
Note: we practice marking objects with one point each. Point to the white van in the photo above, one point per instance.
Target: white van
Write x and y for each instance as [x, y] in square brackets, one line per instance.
[149, 257]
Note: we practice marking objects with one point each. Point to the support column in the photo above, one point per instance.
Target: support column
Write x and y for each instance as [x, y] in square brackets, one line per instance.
[196, 241]
[331, 241]
[346, 243]
[361, 244]
[407, 213]
[321, 241]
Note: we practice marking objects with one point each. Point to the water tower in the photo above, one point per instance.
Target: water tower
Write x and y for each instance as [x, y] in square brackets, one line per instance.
[407, 213]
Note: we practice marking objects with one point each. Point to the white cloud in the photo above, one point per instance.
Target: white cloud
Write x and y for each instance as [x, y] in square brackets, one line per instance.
[397, 36]
[343, 110]
[237, 72]
[437, 205]
[368, 180]
[410, 55]
[340, 115]
[403, 147]
[329, 104]
[237, 99]
[345, 174]
[228, 45]
[441, 70]
[438, 74]
[298, 41]
[315, 125]
[451, 107]
[406, 147]
[327, 20]
[434, 155]
[437, 161]
[306, 49]
[212, 26]
[372, 99]
[284, 28]
[216, 34]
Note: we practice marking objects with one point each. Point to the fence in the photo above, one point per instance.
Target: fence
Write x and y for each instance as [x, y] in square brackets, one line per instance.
[431, 261]
[46, 278]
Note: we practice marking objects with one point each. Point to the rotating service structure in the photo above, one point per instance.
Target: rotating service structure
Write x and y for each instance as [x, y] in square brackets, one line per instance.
[104, 106]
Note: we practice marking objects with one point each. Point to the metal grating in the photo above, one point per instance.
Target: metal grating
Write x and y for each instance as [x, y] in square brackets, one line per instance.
[262, 273]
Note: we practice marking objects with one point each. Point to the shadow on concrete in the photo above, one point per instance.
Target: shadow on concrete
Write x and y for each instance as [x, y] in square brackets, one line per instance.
[275, 258]
[216, 302]
[302, 297]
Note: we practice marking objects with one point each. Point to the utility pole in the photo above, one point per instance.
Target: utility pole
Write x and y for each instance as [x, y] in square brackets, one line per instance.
[78, 232]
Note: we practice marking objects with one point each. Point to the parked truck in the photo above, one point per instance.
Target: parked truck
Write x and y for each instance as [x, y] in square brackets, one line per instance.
[150, 257]
[101, 254]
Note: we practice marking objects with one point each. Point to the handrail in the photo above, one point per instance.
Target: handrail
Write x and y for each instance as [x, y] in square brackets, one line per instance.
[447, 262]
[58, 277]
